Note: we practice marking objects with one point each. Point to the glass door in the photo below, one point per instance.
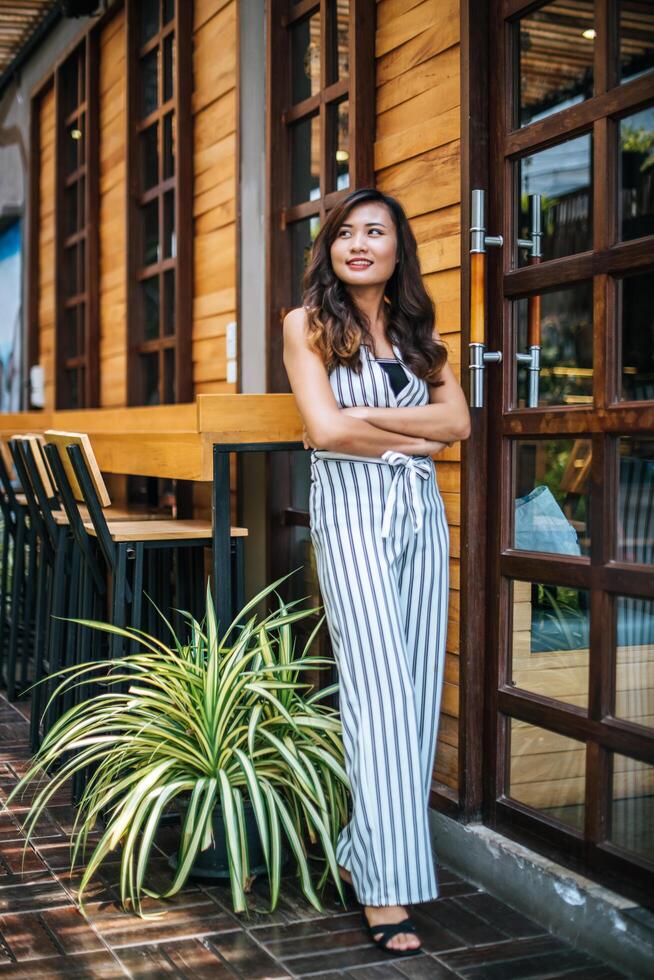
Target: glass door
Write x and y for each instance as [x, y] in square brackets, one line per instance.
[571, 538]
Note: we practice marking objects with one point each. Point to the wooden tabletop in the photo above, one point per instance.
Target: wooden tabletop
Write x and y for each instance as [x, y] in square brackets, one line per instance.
[173, 441]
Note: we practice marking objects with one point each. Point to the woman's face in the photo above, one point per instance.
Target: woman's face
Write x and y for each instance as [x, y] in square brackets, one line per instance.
[364, 251]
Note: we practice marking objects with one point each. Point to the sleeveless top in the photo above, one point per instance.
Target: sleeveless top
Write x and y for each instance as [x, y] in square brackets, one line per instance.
[372, 386]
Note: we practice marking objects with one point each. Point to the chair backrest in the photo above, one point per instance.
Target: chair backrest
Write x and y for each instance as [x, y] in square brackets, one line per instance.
[36, 443]
[63, 439]
[37, 480]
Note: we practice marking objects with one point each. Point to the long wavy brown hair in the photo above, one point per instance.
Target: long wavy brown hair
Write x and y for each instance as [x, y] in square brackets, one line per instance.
[337, 328]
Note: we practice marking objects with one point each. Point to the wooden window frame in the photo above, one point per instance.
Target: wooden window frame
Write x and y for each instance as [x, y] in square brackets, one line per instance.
[181, 183]
[602, 575]
[359, 90]
[88, 357]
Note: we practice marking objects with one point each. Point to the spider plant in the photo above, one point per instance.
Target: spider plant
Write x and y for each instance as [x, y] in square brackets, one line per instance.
[210, 722]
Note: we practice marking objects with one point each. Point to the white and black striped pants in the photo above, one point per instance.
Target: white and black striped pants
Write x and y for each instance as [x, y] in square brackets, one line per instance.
[381, 539]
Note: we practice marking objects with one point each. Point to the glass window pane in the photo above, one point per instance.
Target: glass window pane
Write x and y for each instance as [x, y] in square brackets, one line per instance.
[555, 46]
[562, 175]
[74, 149]
[149, 375]
[149, 157]
[632, 810]
[637, 174]
[81, 203]
[150, 295]
[339, 146]
[70, 81]
[149, 19]
[548, 773]
[169, 375]
[71, 381]
[305, 160]
[149, 82]
[71, 213]
[636, 501]
[637, 325]
[305, 58]
[169, 235]
[170, 137]
[71, 270]
[70, 338]
[566, 354]
[169, 67]
[303, 234]
[636, 38]
[549, 641]
[169, 303]
[634, 685]
[552, 506]
[343, 38]
[151, 252]
[168, 11]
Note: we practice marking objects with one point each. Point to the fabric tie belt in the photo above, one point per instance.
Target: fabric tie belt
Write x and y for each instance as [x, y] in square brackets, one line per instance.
[408, 470]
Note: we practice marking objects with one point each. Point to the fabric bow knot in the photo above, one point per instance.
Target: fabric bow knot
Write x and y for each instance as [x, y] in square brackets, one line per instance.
[409, 469]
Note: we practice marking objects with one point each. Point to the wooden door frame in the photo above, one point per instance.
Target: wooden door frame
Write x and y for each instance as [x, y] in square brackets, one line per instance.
[603, 263]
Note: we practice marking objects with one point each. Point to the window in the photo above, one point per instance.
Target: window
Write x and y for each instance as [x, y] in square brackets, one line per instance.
[160, 205]
[77, 229]
[321, 131]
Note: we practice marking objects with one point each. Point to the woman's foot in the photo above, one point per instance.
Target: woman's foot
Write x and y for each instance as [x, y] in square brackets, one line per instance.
[345, 874]
[386, 915]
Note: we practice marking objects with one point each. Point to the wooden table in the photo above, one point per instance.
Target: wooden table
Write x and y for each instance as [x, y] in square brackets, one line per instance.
[182, 442]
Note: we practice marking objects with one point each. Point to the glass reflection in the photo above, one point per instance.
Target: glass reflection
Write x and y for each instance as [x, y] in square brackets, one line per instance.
[149, 82]
[555, 46]
[562, 175]
[169, 303]
[634, 683]
[548, 773]
[636, 38]
[151, 233]
[632, 810]
[305, 160]
[305, 58]
[149, 364]
[149, 157]
[549, 641]
[343, 38]
[566, 356]
[637, 174]
[637, 325]
[71, 333]
[150, 294]
[343, 147]
[636, 501]
[552, 496]
[149, 19]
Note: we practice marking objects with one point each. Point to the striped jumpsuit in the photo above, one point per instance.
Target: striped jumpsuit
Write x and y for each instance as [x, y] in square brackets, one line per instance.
[381, 539]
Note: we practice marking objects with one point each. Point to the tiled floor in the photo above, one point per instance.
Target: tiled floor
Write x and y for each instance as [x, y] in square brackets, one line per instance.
[466, 933]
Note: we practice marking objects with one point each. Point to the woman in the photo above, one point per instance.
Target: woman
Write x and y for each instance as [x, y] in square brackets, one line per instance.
[378, 399]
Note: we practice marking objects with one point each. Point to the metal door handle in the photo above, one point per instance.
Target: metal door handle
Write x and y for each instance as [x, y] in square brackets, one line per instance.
[479, 242]
[532, 359]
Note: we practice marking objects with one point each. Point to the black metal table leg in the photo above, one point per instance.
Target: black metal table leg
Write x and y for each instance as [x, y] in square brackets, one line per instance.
[221, 563]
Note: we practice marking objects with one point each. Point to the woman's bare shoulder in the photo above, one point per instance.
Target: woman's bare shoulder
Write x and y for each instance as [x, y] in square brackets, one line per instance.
[295, 326]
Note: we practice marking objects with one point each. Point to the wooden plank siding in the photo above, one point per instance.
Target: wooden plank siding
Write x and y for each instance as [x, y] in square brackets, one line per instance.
[215, 167]
[113, 241]
[418, 160]
[46, 243]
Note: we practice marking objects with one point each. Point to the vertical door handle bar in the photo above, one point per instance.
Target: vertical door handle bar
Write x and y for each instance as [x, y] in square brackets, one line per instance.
[479, 242]
[532, 359]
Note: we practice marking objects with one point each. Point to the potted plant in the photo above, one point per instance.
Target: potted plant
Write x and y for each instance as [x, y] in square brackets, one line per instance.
[227, 727]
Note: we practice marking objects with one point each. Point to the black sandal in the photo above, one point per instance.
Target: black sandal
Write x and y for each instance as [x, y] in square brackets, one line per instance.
[388, 930]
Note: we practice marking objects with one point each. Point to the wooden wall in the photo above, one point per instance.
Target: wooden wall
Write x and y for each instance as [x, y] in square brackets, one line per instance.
[417, 160]
[113, 239]
[215, 106]
[45, 108]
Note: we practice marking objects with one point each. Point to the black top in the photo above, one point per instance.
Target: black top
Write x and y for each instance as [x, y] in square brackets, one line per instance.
[396, 373]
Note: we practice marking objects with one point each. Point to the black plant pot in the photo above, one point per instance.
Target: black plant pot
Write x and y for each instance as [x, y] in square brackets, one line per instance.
[214, 862]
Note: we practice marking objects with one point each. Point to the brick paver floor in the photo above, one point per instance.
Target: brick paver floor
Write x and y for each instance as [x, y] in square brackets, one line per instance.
[465, 933]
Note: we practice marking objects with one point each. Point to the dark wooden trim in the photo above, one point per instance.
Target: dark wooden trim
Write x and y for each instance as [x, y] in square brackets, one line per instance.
[579, 118]
[362, 119]
[617, 259]
[182, 185]
[92, 339]
[33, 267]
[59, 400]
[472, 652]
[580, 420]
[302, 9]
[184, 203]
